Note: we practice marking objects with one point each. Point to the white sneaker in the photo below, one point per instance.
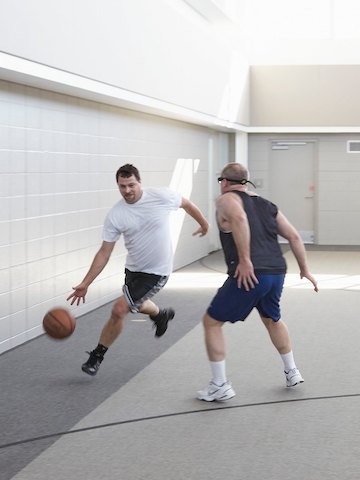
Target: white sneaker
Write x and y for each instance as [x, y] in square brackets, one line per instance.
[213, 392]
[293, 377]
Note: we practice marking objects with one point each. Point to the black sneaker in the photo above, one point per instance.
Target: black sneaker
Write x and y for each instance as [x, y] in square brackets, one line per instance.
[92, 365]
[161, 320]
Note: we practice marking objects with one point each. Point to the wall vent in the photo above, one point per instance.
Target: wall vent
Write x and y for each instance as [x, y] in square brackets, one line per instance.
[282, 145]
[353, 146]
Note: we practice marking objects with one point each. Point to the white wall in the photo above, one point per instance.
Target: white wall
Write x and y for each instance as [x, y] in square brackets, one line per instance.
[306, 95]
[160, 49]
[58, 157]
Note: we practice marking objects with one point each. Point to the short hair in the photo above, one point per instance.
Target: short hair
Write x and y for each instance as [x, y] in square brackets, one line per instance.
[126, 171]
[235, 171]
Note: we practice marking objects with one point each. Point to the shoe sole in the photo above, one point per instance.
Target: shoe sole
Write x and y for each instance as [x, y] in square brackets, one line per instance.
[92, 374]
[221, 399]
[294, 384]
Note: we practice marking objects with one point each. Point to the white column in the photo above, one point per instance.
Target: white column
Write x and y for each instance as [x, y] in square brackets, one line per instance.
[241, 148]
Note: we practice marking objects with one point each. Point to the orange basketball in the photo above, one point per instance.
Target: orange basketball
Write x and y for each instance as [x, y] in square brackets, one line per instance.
[59, 323]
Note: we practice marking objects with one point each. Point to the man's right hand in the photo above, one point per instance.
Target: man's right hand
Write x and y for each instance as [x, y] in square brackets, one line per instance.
[245, 275]
[78, 294]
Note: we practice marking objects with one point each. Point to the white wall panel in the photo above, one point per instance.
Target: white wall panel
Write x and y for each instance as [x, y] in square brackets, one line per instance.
[58, 158]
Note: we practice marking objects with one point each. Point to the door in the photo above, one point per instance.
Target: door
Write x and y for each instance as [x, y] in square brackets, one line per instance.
[292, 186]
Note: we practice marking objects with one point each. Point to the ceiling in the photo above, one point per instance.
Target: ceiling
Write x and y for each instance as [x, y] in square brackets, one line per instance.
[286, 32]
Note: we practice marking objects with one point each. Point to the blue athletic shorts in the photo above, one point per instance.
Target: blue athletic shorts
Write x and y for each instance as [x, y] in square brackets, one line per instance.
[233, 304]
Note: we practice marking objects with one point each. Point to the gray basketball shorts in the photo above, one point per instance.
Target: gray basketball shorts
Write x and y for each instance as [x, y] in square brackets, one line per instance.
[140, 286]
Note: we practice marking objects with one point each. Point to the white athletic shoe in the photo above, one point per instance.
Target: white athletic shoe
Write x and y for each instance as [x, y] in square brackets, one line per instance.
[293, 377]
[217, 393]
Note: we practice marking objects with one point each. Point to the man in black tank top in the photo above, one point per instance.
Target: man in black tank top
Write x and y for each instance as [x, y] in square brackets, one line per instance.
[249, 226]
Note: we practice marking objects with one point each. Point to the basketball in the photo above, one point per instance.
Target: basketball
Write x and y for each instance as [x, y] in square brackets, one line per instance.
[59, 323]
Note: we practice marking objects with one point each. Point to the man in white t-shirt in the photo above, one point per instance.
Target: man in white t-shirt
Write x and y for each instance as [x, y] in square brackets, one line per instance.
[142, 217]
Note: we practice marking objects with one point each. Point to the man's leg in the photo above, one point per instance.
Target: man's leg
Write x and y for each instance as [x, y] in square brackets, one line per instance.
[111, 330]
[149, 308]
[113, 327]
[279, 335]
[214, 339]
[138, 289]
[219, 388]
[160, 317]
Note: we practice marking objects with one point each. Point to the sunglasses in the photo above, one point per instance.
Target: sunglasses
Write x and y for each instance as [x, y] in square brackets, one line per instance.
[240, 182]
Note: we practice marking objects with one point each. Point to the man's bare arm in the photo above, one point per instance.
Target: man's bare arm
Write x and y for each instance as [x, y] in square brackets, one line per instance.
[194, 212]
[97, 266]
[289, 232]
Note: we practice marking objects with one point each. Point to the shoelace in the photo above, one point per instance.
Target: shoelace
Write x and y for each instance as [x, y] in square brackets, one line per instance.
[94, 355]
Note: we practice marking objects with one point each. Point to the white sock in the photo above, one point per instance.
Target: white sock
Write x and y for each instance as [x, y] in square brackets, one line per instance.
[218, 371]
[289, 362]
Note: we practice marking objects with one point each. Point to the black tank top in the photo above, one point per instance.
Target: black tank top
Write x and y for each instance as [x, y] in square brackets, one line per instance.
[265, 251]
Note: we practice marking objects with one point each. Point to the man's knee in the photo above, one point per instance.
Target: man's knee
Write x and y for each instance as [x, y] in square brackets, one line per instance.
[210, 322]
[270, 323]
[120, 310]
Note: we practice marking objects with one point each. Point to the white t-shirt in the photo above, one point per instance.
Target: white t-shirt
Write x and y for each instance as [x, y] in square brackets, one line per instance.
[146, 229]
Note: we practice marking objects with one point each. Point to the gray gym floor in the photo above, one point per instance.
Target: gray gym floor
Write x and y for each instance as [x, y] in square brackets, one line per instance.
[139, 418]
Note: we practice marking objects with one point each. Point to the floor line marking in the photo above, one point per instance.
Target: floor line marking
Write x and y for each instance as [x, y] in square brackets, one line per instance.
[174, 414]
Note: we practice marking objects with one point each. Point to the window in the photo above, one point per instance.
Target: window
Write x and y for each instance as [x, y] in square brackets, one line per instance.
[353, 146]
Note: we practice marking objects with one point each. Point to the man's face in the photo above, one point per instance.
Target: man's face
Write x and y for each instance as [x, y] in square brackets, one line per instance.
[130, 189]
